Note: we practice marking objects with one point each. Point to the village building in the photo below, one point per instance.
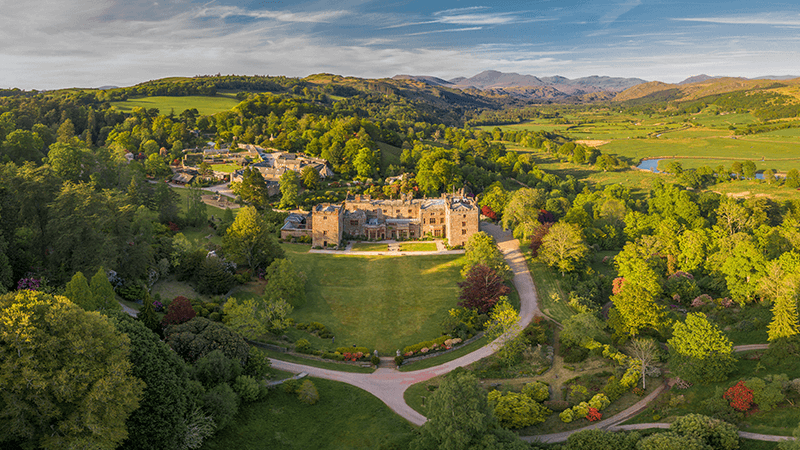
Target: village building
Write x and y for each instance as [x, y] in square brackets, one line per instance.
[451, 216]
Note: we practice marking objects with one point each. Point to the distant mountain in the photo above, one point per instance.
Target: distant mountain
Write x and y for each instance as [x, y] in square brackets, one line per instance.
[531, 87]
[697, 79]
[105, 88]
[434, 81]
[658, 91]
[776, 77]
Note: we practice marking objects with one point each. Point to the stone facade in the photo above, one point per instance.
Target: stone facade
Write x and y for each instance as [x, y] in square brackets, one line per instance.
[451, 216]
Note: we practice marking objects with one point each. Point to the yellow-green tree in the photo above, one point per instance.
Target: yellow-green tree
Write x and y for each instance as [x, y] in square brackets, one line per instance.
[784, 318]
[504, 329]
[699, 351]
[249, 240]
[563, 247]
[637, 309]
[65, 376]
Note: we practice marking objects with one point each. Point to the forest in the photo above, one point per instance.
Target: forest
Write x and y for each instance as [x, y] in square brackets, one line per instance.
[86, 221]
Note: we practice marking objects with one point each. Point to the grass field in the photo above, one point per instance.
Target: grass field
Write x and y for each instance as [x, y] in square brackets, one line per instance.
[552, 300]
[345, 418]
[368, 247]
[418, 247]
[390, 155]
[205, 105]
[226, 168]
[383, 302]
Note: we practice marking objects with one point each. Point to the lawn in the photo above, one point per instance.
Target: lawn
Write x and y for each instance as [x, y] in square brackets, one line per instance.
[418, 247]
[205, 105]
[390, 155]
[345, 418]
[368, 247]
[552, 300]
[226, 168]
[383, 302]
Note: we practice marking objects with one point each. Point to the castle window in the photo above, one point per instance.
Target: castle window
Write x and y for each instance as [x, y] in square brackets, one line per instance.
[354, 223]
[409, 211]
[463, 231]
[441, 220]
[324, 232]
[463, 224]
[324, 217]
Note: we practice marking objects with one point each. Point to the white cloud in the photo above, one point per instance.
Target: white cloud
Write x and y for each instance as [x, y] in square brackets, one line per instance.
[449, 30]
[773, 19]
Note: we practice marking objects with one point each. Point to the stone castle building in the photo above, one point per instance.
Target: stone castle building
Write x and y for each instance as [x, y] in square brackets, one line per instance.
[451, 216]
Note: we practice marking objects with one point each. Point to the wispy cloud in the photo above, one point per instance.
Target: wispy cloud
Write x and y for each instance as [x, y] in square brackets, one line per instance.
[223, 12]
[616, 10]
[774, 19]
[449, 30]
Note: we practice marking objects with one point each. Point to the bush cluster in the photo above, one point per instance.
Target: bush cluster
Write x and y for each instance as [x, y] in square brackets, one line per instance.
[440, 343]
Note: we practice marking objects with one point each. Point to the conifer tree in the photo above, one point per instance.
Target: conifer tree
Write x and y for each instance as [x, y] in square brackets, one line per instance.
[147, 315]
[102, 292]
[78, 292]
[784, 318]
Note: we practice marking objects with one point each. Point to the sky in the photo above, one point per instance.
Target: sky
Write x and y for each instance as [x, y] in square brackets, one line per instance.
[51, 44]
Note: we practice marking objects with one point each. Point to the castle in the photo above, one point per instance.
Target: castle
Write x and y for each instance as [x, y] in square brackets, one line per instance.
[451, 216]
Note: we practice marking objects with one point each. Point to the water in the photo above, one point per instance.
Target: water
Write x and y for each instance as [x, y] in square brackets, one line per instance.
[652, 165]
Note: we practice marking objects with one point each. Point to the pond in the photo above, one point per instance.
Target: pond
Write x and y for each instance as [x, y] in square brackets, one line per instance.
[652, 166]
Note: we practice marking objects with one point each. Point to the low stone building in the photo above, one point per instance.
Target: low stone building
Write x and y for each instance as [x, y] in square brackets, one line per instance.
[452, 216]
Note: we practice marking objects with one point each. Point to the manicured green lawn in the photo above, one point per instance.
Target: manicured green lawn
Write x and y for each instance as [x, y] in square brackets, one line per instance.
[227, 168]
[205, 105]
[418, 247]
[345, 418]
[368, 247]
[383, 302]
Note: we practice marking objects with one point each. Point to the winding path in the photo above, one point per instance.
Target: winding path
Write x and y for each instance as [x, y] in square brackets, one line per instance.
[389, 385]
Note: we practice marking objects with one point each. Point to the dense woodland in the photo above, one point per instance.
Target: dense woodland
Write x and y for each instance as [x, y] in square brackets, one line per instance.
[72, 206]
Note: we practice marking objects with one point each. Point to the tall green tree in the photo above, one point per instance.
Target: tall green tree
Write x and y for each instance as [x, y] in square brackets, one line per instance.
[637, 309]
[65, 375]
[459, 417]
[252, 189]
[310, 177]
[563, 248]
[784, 318]
[196, 211]
[160, 421]
[103, 293]
[285, 282]
[521, 214]
[481, 249]
[699, 351]
[250, 241]
[255, 317]
[290, 193]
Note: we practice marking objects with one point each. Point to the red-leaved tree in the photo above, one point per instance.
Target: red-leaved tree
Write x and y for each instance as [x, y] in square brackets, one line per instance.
[488, 212]
[739, 396]
[482, 288]
[537, 236]
[179, 311]
[593, 415]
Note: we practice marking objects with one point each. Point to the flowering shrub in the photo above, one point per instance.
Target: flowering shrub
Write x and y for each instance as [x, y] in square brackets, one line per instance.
[428, 345]
[352, 356]
[599, 402]
[30, 284]
[701, 300]
[739, 396]
[616, 286]
[158, 306]
[593, 415]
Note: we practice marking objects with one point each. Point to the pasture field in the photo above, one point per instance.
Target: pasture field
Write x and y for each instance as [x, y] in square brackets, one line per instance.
[382, 302]
[390, 155]
[205, 105]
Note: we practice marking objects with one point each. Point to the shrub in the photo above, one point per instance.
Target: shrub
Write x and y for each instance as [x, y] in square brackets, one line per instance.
[599, 402]
[179, 311]
[613, 389]
[593, 415]
[740, 397]
[398, 360]
[375, 360]
[247, 387]
[578, 393]
[215, 316]
[566, 416]
[515, 410]
[307, 393]
[291, 386]
[537, 391]
[427, 344]
[216, 368]
[257, 364]
[580, 410]
[767, 393]
[344, 350]
[302, 346]
[222, 403]
[574, 354]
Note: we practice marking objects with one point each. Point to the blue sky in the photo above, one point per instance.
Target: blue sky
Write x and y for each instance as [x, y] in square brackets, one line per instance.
[48, 44]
